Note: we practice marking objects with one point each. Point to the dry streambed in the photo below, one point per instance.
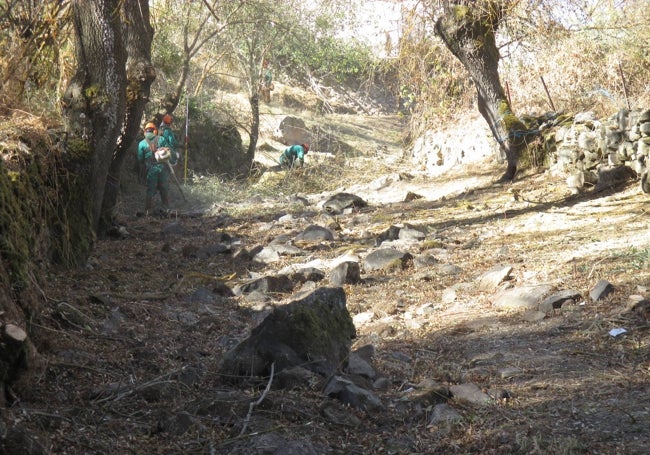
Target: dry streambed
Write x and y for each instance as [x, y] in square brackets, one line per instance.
[132, 342]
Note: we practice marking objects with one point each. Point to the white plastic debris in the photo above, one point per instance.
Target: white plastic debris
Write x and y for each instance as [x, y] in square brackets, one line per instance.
[617, 332]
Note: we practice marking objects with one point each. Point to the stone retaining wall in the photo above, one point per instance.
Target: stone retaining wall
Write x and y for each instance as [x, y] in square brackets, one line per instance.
[585, 148]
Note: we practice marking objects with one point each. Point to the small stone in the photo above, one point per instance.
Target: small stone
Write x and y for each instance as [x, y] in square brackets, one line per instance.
[410, 196]
[509, 372]
[601, 290]
[386, 258]
[443, 413]
[522, 298]
[491, 279]
[315, 233]
[533, 316]
[469, 392]
[558, 299]
[347, 272]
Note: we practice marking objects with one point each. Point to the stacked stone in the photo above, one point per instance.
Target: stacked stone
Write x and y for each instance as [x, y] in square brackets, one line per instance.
[579, 150]
[620, 147]
[579, 145]
[641, 134]
[589, 145]
[627, 136]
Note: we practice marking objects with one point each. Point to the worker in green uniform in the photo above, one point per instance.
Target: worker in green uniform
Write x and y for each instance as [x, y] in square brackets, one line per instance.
[266, 84]
[154, 156]
[167, 132]
[294, 154]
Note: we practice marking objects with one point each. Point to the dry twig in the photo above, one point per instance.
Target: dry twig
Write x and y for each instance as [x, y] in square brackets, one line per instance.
[252, 405]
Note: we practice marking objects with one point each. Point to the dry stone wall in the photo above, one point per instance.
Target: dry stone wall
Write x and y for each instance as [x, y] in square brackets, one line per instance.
[587, 149]
[588, 152]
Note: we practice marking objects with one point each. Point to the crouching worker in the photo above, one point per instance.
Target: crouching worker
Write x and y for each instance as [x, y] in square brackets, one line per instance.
[154, 157]
[293, 154]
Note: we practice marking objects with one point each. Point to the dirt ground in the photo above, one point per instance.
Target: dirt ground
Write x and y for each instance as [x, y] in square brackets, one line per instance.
[131, 342]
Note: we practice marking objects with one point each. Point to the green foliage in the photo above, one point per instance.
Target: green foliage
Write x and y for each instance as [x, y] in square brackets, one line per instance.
[32, 47]
[346, 61]
[638, 258]
[166, 52]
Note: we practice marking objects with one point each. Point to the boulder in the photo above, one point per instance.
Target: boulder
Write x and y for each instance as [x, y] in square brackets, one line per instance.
[522, 298]
[314, 332]
[338, 203]
[292, 130]
[386, 258]
[315, 233]
[347, 272]
[266, 284]
[352, 394]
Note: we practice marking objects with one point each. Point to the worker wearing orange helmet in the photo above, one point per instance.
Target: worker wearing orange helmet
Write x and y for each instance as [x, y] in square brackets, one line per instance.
[167, 132]
[293, 154]
[154, 151]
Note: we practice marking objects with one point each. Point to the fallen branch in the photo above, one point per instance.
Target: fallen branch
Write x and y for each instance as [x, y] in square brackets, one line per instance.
[141, 296]
[252, 405]
[319, 93]
[117, 391]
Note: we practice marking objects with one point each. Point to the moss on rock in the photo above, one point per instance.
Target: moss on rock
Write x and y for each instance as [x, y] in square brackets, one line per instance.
[314, 332]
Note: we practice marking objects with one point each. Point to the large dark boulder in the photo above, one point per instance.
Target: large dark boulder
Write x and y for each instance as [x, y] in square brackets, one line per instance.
[314, 332]
[217, 148]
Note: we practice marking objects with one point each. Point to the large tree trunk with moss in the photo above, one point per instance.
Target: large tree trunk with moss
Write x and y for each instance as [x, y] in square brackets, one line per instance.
[468, 29]
[95, 100]
[140, 73]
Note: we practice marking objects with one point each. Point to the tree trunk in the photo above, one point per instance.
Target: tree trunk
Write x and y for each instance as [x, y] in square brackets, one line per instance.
[95, 100]
[13, 356]
[467, 29]
[170, 101]
[140, 73]
[255, 126]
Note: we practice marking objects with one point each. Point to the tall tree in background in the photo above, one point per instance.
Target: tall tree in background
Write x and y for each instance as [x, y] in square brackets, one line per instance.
[468, 30]
[202, 23]
[251, 38]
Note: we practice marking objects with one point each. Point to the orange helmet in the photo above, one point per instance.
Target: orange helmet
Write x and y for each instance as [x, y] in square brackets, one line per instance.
[167, 119]
[150, 126]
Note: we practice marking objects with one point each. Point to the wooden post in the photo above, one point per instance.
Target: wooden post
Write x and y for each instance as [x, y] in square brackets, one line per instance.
[547, 94]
